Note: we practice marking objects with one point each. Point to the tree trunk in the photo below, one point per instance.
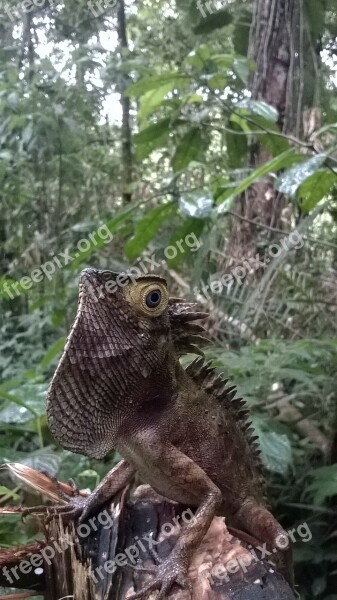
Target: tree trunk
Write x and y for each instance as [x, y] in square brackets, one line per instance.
[127, 158]
[273, 46]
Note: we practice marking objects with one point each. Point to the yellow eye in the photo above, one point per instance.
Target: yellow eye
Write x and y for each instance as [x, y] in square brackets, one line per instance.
[150, 298]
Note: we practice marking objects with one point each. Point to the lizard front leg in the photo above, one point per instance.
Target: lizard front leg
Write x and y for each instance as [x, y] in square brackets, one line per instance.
[176, 476]
[82, 507]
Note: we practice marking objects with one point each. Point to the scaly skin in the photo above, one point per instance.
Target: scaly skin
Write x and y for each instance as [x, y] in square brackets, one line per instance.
[119, 384]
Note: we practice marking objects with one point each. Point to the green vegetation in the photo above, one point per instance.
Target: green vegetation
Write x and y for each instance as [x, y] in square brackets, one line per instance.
[124, 132]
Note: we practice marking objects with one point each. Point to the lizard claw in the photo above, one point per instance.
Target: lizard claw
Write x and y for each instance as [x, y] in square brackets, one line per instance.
[169, 571]
[74, 509]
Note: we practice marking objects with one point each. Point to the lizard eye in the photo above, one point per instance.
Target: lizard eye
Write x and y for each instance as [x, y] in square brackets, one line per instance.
[149, 297]
[153, 299]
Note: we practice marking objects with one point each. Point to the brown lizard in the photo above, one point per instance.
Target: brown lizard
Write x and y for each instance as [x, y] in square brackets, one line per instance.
[120, 384]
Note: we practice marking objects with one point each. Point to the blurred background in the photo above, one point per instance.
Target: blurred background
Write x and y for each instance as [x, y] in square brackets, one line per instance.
[201, 135]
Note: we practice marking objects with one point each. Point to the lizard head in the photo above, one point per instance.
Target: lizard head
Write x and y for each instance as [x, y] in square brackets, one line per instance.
[119, 357]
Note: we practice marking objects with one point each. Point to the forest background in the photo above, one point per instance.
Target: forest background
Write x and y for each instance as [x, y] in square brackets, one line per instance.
[197, 139]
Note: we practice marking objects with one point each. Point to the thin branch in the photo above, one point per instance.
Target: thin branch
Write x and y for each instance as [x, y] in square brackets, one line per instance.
[289, 138]
[280, 231]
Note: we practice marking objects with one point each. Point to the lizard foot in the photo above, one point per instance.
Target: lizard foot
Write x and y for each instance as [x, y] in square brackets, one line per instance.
[74, 509]
[75, 506]
[169, 571]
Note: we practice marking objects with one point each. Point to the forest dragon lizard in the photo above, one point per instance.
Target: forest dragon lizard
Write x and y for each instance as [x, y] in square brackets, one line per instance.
[120, 384]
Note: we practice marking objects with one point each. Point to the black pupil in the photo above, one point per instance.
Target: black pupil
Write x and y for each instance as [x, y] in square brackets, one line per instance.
[153, 299]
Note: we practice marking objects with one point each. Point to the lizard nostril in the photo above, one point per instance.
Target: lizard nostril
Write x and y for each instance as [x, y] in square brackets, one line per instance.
[106, 275]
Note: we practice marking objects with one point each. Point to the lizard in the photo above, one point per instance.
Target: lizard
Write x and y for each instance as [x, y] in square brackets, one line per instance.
[120, 385]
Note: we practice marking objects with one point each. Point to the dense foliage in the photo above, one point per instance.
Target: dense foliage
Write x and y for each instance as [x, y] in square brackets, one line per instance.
[76, 190]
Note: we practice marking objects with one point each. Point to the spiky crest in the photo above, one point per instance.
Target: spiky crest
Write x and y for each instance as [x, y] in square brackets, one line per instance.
[211, 381]
[186, 335]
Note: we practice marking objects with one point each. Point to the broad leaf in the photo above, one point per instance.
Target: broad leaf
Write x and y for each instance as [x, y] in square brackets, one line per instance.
[236, 147]
[271, 166]
[13, 399]
[152, 99]
[324, 483]
[275, 450]
[171, 80]
[146, 229]
[188, 235]
[198, 58]
[196, 204]
[290, 180]
[111, 227]
[152, 137]
[188, 149]
[315, 187]
[242, 67]
[151, 132]
[261, 108]
[211, 21]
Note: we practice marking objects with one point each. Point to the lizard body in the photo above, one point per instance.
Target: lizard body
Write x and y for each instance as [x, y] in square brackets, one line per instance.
[120, 384]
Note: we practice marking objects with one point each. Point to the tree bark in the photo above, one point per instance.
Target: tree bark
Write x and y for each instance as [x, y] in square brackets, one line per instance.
[273, 46]
[127, 157]
[95, 560]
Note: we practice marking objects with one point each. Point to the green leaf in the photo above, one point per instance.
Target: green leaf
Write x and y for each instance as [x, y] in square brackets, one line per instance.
[237, 147]
[111, 227]
[188, 149]
[261, 108]
[275, 450]
[52, 353]
[217, 82]
[199, 57]
[146, 229]
[188, 235]
[241, 31]
[210, 22]
[4, 491]
[290, 180]
[271, 166]
[324, 484]
[153, 82]
[15, 400]
[242, 68]
[152, 137]
[196, 204]
[315, 187]
[152, 99]
[151, 132]
[275, 144]
[225, 61]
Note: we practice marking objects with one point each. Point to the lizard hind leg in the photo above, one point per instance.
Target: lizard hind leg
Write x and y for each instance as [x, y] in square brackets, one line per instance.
[254, 518]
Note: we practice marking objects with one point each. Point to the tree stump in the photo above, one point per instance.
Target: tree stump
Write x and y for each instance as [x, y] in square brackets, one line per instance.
[95, 560]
